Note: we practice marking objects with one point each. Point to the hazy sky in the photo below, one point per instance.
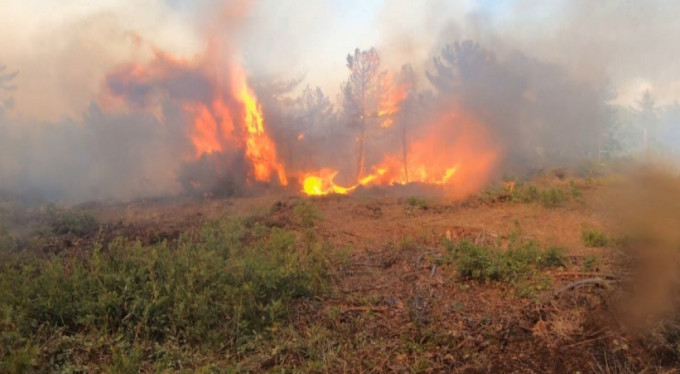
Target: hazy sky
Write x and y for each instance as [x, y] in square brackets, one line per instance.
[63, 49]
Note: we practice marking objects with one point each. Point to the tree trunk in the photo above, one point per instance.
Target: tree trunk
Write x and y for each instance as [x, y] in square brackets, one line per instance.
[360, 166]
[404, 150]
[362, 136]
[599, 147]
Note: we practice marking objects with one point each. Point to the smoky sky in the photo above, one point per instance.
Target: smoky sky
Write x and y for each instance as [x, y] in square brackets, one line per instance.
[546, 71]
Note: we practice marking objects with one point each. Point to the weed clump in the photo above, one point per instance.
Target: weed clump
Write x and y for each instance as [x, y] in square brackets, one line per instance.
[70, 221]
[417, 202]
[553, 257]
[307, 214]
[594, 238]
[487, 263]
[590, 263]
[523, 192]
[7, 242]
[553, 197]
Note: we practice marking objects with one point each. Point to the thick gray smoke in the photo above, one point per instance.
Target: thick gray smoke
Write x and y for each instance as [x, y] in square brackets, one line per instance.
[554, 84]
[102, 156]
[536, 111]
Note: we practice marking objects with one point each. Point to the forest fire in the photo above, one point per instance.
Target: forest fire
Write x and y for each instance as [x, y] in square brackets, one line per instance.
[226, 113]
[399, 144]
[298, 186]
[450, 149]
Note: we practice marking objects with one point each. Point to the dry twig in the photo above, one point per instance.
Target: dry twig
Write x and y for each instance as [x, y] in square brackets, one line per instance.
[581, 282]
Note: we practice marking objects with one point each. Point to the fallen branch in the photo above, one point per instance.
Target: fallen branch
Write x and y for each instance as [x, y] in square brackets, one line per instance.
[591, 274]
[581, 282]
[577, 274]
[420, 258]
[369, 288]
[349, 233]
[434, 270]
[381, 309]
[588, 341]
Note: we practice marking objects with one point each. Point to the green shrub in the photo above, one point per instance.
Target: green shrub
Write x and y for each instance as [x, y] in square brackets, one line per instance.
[594, 238]
[528, 193]
[553, 197]
[7, 242]
[590, 263]
[493, 193]
[473, 261]
[525, 193]
[307, 214]
[70, 221]
[212, 292]
[8, 220]
[553, 257]
[484, 263]
[416, 202]
[574, 190]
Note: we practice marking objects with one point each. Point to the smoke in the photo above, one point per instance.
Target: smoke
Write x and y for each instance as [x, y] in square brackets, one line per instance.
[631, 43]
[114, 102]
[100, 156]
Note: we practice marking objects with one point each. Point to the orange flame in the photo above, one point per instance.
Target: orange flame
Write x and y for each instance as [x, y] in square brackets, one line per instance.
[260, 149]
[322, 182]
[456, 155]
[391, 100]
[226, 113]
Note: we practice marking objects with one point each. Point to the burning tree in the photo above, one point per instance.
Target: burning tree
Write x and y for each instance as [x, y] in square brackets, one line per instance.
[361, 96]
[399, 103]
